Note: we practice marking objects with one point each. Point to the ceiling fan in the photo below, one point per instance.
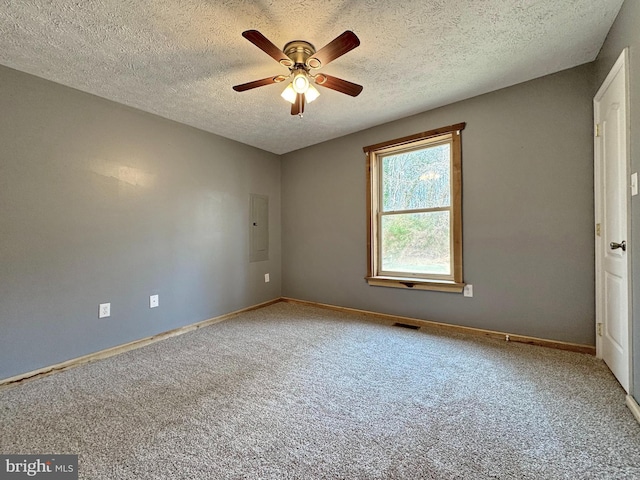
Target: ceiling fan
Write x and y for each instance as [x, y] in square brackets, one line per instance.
[300, 57]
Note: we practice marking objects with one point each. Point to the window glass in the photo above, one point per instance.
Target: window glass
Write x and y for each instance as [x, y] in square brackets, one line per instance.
[417, 179]
[417, 243]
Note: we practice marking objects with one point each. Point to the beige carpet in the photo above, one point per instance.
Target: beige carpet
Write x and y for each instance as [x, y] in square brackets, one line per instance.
[303, 393]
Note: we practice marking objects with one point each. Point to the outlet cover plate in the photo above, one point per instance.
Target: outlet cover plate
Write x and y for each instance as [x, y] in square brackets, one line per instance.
[104, 310]
[468, 290]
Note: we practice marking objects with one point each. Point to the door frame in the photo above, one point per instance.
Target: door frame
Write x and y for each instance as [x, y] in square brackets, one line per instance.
[621, 64]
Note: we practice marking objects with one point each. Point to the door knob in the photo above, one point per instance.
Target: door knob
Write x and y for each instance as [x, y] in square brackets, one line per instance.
[622, 245]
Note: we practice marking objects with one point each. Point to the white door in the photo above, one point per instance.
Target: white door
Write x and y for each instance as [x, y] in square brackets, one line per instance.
[612, 229]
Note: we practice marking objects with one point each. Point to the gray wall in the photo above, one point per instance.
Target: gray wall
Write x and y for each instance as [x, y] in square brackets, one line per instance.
[104, 203]
[527, 214]
[625, 32]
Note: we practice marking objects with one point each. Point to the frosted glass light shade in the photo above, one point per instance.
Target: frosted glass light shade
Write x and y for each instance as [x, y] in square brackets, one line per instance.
[300, 82]
[311, 94]
[289, 94]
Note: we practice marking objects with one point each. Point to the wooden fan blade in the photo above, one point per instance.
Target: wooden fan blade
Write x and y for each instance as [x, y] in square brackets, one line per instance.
[259, 83]
[334, 49]
[339, 85]
[264, 44]
[298, 107]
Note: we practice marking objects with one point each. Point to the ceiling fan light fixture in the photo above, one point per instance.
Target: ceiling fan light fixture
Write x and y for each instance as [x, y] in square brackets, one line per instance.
[311, 94]
[289, 94]
[300, 81]
[300, 57]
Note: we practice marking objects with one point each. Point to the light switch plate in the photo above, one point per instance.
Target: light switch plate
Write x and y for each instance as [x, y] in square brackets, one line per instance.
[468, 290]
[154, 301]
[634, 183]
[266, 278]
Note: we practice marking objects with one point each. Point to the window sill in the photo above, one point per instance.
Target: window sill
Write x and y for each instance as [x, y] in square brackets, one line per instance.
[416, 284]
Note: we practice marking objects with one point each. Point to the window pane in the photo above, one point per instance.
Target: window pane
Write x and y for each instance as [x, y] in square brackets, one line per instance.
[417, 179]
[416, 243]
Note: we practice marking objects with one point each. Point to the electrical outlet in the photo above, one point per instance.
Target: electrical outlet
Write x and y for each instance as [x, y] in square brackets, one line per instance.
[154, 301]
[104, 310]
[266, 278]
[468, 290]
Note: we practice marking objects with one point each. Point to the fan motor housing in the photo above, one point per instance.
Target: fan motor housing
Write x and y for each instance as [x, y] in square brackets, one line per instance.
[299, 51]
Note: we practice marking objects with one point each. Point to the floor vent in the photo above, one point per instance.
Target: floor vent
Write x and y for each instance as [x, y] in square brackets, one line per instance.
[406, 325]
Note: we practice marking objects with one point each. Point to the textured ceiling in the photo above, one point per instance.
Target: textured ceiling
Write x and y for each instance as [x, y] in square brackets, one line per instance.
[180, 58]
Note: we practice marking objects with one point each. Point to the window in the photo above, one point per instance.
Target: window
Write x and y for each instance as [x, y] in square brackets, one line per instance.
[414, 205]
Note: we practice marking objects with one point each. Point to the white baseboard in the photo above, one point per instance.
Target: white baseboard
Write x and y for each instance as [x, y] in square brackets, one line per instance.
[634, 407]
[110, 352]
